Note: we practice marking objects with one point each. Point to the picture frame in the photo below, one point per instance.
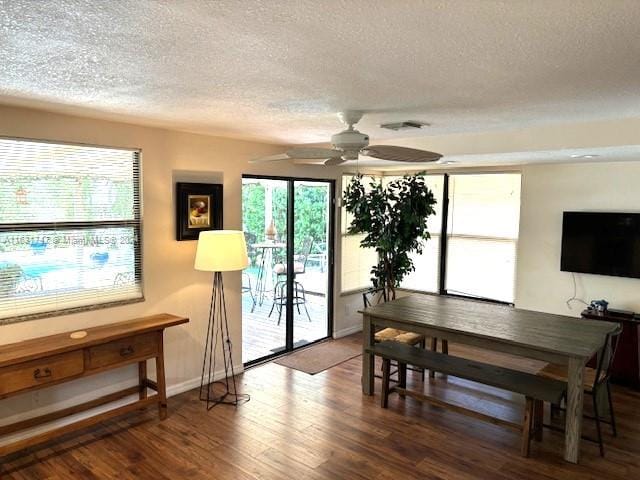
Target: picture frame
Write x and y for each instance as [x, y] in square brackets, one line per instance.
[198, 209]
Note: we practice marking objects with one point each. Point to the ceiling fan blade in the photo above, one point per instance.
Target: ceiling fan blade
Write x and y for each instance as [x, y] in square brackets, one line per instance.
[313, 153]
[270, 158]
[400, 154]
[330, 162]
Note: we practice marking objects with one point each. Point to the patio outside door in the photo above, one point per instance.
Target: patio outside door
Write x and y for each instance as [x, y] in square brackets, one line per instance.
[286, 299]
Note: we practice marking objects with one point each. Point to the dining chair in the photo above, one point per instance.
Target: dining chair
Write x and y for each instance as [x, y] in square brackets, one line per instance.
[375, 296]
[595, 379]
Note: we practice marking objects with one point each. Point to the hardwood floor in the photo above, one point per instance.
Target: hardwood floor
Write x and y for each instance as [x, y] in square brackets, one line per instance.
[322, 427]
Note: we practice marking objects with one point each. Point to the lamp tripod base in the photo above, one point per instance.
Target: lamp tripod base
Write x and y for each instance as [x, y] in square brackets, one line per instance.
[225, 398]
[223, 391]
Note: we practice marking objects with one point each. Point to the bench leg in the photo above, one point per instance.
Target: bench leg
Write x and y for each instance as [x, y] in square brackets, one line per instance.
[386, 373]
[538, 409]
[526, 427]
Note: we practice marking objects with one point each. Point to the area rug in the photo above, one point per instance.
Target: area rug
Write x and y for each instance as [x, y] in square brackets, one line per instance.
[320, 357]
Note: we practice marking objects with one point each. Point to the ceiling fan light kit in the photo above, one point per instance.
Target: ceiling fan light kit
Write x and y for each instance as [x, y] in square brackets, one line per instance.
[350, 143]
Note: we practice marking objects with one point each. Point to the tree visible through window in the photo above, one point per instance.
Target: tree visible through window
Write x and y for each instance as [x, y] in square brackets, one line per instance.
[69, 227]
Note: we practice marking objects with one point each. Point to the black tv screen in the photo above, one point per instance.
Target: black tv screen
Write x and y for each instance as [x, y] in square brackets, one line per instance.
[601, 243]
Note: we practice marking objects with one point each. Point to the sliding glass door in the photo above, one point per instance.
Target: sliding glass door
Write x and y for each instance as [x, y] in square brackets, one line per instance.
[312, 207]
[287, 289]
[264, 223]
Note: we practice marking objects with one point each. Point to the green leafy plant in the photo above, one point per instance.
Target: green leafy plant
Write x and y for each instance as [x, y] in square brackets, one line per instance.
[394, 222]
[310, 209]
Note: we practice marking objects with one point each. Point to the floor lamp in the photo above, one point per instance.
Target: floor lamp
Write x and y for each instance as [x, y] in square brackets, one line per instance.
[220, 251]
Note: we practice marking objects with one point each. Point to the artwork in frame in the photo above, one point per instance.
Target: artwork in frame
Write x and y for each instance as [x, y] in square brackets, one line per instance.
[199, 208]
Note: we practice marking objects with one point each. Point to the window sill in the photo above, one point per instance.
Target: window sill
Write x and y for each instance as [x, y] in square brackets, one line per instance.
[68, 311]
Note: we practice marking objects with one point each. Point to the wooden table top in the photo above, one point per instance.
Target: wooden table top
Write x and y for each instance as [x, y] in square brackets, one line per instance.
[54, 344]
[558, 334]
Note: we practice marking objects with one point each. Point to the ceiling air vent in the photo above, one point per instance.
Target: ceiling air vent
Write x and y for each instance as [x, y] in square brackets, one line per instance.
[407, 125]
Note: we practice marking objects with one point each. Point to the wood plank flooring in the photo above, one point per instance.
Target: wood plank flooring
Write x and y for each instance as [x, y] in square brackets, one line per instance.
[298, 426]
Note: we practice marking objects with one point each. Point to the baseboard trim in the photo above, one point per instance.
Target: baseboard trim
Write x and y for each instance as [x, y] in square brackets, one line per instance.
[347, 331]
[187, 385]
[172, 390]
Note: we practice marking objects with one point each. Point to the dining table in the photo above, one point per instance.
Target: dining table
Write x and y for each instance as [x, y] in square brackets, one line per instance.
[537, 335]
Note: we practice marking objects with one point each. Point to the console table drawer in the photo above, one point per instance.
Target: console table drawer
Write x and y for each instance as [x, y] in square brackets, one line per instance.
[23, 376]
[119, 351]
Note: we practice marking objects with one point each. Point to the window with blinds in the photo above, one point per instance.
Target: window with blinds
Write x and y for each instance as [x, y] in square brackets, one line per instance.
[426, 276]
[483, 216]
[357, 262]
[70, 227]
[483, 222]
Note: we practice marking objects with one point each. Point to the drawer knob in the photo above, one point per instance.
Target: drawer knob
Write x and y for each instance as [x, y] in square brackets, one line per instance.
[38, 374]
[125, 352]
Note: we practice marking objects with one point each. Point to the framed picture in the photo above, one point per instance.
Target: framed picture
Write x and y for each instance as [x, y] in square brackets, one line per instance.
[199, 208]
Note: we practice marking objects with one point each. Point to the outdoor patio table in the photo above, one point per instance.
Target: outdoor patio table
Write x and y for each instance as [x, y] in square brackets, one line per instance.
[266, 261]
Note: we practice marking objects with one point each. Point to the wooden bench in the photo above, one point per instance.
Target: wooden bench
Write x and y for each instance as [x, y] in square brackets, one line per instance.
[535, 389]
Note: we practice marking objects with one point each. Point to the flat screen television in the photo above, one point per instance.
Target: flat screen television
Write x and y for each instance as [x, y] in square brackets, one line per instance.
[601, 243]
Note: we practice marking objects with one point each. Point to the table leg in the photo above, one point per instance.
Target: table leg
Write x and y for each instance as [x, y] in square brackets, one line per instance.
[160, 380]
[367, 358]
[260, 282]
[575, 400]
[142, 378]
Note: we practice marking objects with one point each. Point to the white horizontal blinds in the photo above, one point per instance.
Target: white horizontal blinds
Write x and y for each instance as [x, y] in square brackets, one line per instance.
[69, 227]
[483, 222]
[426, 276]
[356, 261]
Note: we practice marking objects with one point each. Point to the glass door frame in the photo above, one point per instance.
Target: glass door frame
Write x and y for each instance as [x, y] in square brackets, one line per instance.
[289, 325]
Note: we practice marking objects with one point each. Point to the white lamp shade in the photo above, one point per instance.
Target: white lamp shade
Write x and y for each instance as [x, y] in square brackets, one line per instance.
[221, 251]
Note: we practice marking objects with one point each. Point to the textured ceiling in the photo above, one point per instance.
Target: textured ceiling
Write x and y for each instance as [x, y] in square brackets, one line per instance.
[278, 70]
[619, 153]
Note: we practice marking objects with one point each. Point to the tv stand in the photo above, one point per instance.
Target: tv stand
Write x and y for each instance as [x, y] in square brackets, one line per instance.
[626, 366]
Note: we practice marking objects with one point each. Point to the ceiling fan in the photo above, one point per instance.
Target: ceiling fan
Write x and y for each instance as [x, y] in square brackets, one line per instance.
[349, 144]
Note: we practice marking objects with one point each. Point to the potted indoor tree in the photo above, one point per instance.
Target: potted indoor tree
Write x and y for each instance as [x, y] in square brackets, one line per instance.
[393, 220]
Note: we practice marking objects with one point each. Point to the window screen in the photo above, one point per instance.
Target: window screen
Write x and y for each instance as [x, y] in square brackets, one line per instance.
[69, 227]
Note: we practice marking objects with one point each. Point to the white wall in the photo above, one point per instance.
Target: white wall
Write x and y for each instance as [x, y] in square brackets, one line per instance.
[170, 282]
[549, 190]
[173, 286]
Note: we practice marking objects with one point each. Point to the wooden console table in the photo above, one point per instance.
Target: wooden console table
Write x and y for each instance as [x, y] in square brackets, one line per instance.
[46, 361]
